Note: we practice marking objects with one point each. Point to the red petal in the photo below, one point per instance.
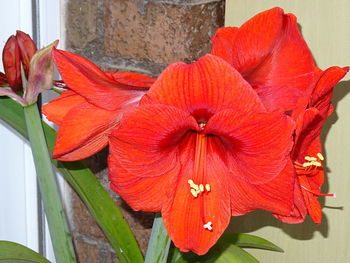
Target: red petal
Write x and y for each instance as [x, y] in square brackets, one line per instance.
[84, 131]
[308, 141]
[203, 88]
[298, 212]
[185, 215]
[89, 81]
[275, 196]
[145, 141]
[141, 193]
[12, 63]
[27, 48]
[132, 79]
[247, 46]
[322, 94]
[57, 109]
[311, 202]
[271, 54]
[256, 146]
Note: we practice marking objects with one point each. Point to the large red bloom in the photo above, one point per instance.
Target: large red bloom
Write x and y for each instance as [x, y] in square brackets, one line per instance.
[271, 54]
[307, 153]
[200, 148]
[92, 107]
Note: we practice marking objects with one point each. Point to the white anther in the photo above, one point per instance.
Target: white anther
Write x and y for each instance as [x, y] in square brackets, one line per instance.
[307, 164]
[194, 193]
[207, 187]
[320, 156]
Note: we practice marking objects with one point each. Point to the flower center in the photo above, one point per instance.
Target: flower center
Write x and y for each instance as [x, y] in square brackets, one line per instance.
[201, 125]
[310, 168]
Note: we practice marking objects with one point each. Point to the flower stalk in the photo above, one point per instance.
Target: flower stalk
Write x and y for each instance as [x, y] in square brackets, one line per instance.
[60, 235]
[159, 243]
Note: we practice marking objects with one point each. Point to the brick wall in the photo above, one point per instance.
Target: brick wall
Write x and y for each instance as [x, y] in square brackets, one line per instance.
[132, 35]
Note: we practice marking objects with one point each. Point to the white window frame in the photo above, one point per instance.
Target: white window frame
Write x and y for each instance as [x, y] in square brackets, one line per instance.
[19, 205]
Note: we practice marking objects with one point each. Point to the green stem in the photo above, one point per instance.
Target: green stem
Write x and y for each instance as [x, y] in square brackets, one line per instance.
[60, 235]
[158, 246]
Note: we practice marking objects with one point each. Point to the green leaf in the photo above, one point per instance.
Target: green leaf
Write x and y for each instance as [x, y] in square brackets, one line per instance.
[226, 248]
[221, 253]
[11, 252]
[246, 240]
[159, 243]
[84, 182]
[231, 254]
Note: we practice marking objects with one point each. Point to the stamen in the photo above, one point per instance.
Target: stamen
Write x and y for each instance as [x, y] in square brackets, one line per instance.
[315, 163]
[194, 193]
[307, 158]
[195, 188]
[208, 226]
[207, 187]
[320, 156]
[318, 164]
[306, 164]
[202, 124]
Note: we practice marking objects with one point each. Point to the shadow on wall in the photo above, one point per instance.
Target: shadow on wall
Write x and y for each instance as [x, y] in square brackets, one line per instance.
[304, 231]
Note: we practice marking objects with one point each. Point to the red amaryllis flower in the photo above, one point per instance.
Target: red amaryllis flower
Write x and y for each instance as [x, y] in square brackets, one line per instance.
[92, 107]
[271, 54]
[200, 148]
[307, 153]
[18, 49]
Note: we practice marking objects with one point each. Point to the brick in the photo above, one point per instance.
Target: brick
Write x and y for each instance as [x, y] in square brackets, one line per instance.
[160, 32]
[81, 22]
[86, 253]
[81, 220]
[89, 251]
[140, 223]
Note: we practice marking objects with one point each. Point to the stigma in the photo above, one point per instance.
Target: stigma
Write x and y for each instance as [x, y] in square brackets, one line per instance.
[317, 193]
[208, 226]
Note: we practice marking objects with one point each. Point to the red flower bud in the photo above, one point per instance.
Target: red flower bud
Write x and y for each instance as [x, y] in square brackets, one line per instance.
[27, 49]
[12, 63]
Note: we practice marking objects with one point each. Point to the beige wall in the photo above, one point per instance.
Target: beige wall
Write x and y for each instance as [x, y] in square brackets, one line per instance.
[326, 28]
